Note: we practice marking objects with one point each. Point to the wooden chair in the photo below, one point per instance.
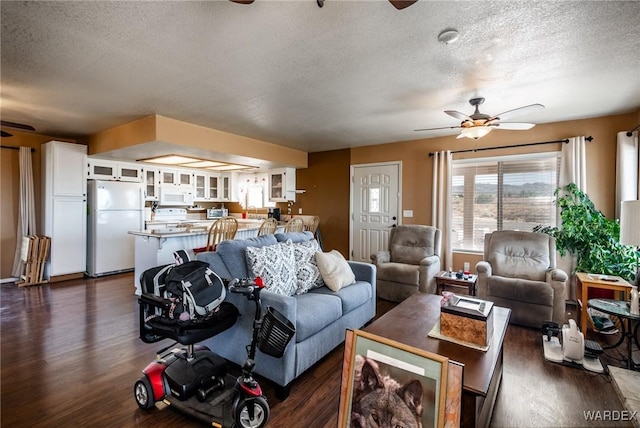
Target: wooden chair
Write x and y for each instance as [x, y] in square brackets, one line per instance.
[312, 226]
[222, 229]
[294, 225]
[268, 227]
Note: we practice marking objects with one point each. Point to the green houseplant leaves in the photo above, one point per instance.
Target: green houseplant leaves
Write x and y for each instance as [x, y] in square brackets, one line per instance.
[593, 238]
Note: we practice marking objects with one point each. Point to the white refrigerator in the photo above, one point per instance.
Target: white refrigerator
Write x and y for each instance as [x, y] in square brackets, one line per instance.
[114, 208]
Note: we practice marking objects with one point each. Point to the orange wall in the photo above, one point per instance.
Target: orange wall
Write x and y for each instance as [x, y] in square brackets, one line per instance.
[326, 182]
[10, 188]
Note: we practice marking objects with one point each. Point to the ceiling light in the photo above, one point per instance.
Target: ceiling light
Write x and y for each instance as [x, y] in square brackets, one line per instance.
[229, 167]
[170, 160]
[189, 162]
[448, 36]
[202, 164]
[474, 132]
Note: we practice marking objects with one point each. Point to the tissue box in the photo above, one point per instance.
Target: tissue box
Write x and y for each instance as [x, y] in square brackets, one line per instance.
[468, 320]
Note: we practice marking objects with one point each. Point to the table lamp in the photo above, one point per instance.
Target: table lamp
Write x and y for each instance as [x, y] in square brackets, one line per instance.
[630, 226]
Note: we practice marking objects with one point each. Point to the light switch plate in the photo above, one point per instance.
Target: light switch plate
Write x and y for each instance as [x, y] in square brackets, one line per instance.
[407, 213]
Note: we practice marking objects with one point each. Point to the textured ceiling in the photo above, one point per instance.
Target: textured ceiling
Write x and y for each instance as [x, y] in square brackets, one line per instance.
[288, 72]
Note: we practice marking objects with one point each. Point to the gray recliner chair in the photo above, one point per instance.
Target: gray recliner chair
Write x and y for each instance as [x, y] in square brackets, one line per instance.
[411, 263]
[519, 272]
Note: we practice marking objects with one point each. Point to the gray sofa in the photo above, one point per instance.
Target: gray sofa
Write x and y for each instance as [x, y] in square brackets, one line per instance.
[320, 316]
[519, 272]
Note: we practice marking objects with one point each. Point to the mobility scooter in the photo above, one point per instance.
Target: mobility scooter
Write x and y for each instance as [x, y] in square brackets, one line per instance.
[192, 378]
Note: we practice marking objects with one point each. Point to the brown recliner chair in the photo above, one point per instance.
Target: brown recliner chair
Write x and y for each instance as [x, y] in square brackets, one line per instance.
[411, 263]
[519, 272]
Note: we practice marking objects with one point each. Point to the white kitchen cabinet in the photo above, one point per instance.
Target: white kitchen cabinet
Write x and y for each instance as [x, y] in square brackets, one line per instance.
[200, 186]
[65, 162]
[214, 186]
[151, 183]
[178, 177]
[227, 187]
[64, 202]
[101, 169]
[282, 185]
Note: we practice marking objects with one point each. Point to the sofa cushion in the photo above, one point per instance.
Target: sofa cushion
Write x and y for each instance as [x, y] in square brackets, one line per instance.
[232, 253]
[315, 312]
[334, 269]
[522, 290]
[294, 236]
[412, 243]
[307, 273]
[399, 272]
[276, 265]
[520, 255]
[352, 297]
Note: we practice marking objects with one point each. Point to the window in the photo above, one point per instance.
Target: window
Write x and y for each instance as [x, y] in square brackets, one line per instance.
[502, 193]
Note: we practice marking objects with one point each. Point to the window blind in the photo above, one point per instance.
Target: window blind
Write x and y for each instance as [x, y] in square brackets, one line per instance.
[502, 193]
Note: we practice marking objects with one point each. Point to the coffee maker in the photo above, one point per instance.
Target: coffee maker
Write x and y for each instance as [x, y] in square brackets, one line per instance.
[274, 213]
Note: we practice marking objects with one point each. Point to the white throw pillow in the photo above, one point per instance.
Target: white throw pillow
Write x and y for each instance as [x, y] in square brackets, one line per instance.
[276, 265]
[335, 270]
[307, 271]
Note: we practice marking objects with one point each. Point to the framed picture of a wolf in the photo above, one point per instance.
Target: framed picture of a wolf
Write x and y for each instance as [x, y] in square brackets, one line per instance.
[387, 383]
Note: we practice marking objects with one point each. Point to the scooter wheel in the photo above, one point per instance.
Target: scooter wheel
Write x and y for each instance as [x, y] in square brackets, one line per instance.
[143, 393]
[242, 411]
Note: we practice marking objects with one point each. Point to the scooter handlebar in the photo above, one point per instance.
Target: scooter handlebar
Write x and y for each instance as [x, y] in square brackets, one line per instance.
[242, 287]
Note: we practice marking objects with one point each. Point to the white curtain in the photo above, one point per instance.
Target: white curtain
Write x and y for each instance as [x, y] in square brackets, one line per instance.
[573, 166]
[627, 165]
[26, 206]
[441, 203]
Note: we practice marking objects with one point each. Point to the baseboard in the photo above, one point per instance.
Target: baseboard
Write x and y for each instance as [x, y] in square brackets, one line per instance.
[2, 281]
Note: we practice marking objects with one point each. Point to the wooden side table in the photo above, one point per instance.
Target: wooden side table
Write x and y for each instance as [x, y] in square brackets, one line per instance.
[585, 281]
[443, 279]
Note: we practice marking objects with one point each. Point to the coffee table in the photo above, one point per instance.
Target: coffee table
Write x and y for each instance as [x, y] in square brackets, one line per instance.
[411, 321]
[620, 309]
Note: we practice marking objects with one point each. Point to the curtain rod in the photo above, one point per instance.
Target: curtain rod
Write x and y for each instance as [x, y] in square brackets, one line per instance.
[565, 141]
[16, 148]
[629, 133]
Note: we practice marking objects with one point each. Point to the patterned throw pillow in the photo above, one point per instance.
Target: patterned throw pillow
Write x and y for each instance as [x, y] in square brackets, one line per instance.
[276, 265]
[307, 271]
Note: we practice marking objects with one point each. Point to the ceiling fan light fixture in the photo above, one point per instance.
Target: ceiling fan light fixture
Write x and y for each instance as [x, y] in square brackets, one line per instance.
[474, 132]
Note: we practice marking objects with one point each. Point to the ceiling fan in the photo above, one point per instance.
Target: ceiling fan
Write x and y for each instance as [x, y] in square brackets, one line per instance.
[14, 125]
[398, 4]
[478, 124]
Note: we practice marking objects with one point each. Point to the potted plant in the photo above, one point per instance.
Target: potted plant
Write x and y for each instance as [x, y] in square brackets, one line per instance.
[590, 236]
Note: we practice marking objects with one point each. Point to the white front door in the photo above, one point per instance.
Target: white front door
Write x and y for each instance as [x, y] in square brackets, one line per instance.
[375, 205]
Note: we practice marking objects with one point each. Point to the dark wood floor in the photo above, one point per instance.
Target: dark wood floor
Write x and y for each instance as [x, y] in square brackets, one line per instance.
[71, 354]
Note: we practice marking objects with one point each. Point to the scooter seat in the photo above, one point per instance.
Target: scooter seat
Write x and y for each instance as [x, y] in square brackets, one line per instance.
[194, 331]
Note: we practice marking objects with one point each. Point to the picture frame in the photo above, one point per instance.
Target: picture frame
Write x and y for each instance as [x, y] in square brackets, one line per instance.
[383, 379]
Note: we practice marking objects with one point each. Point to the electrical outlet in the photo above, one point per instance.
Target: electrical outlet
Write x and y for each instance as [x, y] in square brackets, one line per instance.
[407, 213]
[299, 210]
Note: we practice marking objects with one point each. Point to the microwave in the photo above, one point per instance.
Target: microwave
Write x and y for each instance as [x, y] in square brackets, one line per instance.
[172, 195]
[217, 213]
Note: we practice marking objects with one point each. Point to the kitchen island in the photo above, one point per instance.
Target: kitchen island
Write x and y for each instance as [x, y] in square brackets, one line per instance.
[155, 247]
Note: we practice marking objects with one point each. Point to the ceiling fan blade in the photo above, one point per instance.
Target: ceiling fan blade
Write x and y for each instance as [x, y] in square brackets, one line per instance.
[516, 111]
[454, 113]
[401, 4]
[17, 125]
[435, 129]
[242, 1]
[513, 126]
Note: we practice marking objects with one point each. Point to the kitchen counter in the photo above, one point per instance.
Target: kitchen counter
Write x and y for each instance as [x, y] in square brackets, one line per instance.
[155, 247]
